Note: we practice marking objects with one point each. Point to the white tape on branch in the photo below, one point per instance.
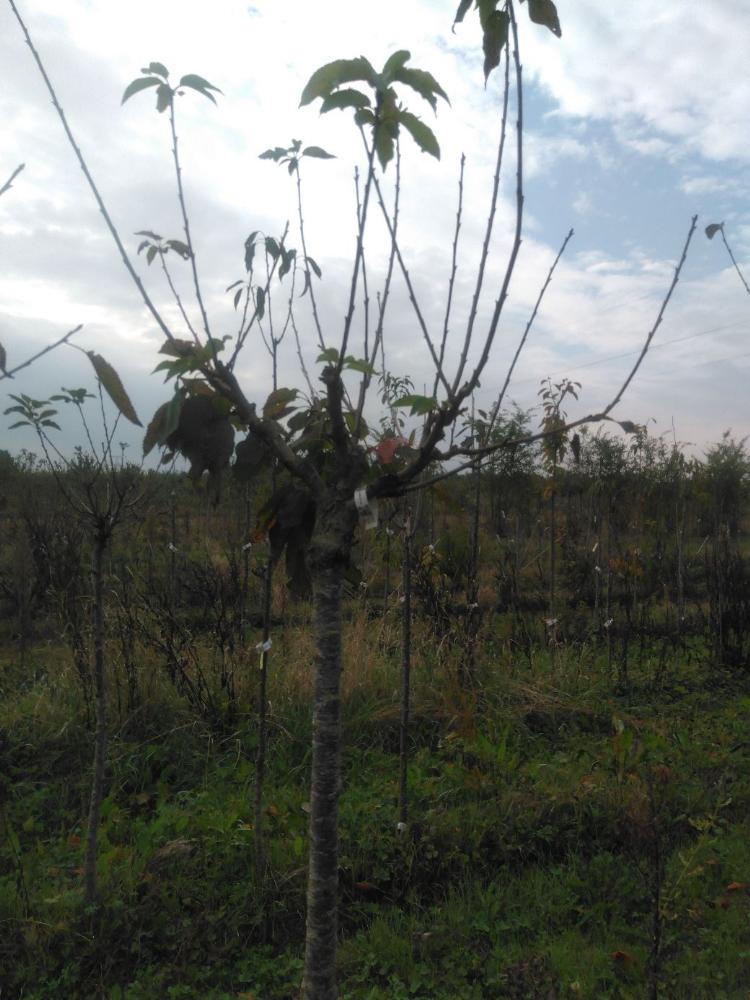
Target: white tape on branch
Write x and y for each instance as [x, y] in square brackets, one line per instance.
[368, 509]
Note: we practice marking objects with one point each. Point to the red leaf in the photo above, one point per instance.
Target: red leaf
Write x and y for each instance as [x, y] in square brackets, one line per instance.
[387, 448]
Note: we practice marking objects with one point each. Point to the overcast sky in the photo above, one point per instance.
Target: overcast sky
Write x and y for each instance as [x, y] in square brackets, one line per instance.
[636, 119]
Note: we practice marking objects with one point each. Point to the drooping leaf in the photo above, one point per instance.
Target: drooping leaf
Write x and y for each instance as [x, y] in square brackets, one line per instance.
[260, 302]
[200, 84]
[114, 388]
[385, 139]
[393, 64]
[329, 356]
[163, 97]
[277, 404]
[544, 12]
[272, 247]
[153, 431]
[333, 74]
[346, 98]
[151, 253]
[422, 134]
[250, 250]
[713, 229]
[423, 82]
[3, 360]
[495, 24]
[313, 264]
[251, 456]
[461, 12]
[317, 153]
[179, 248]
[142, 83]
[237, 297]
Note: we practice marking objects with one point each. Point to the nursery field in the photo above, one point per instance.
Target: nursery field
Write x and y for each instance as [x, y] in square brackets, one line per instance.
[546, 764]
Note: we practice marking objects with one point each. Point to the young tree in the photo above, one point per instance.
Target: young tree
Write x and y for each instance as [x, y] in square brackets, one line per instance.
[332, 479]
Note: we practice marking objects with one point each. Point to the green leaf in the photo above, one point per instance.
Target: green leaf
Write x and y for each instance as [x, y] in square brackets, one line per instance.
[179, 248]
[177, 348]
[393, 64]
[157, 67]
[110, 381]
[424, 83]
[153, 431]
[151, 253]
[237, 297]
[329, 356]
[3, 360]
[495, 24]
[163, 97]
[274, 154]
[314, 266]
[198, 83]
[317, 153]
[20, 423]
[461, 12]
[142, 83]
[346, 98]
[333, 74]
[50, 423]
[250, 250]
[277, 404]
[147, 232]
[385, 140]
[358, 365]
[364, 116]
[272, 247]
[713, 229]
[544, 12]
[422, 134]
[260, 302]
[419, 405]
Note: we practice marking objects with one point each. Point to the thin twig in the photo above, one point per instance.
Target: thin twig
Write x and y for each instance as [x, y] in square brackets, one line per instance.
[382, 301]
[9, 183]
[396, 485]
[490, 222]
[407, 280]
[178, 300]
[731, 255]
[186, 226]
[86, 173]
[39, 354]
[454, 269]
[522, 342]
[313, 302]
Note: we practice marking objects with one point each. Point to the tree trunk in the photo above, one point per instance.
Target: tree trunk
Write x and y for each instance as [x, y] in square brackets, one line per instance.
[329, 553]
[100, 737]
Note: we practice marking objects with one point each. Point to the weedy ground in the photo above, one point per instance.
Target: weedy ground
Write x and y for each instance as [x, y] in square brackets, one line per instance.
[558, 824]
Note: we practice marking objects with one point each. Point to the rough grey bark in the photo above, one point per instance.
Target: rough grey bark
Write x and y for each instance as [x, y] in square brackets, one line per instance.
[100, 738]
[329, 554]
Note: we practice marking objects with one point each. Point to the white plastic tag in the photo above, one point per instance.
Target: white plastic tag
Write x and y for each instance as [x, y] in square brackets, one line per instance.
[368, 509]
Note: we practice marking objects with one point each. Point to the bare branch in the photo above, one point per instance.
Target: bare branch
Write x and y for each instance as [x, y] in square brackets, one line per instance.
[731, 257]
[186, 227]
[39, 354]
[522, 342]
[490, 222]
[400, 483]
[9, 183]
[407, 280]
[454, 269]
